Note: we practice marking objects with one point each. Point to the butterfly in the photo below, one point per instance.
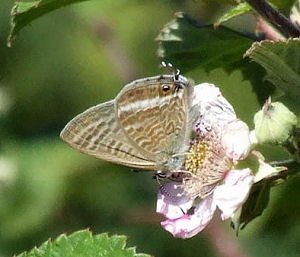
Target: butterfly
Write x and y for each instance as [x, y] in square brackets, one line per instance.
[147, 125]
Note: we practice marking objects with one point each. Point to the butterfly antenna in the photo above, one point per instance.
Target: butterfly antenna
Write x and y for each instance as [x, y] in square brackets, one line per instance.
[176, 74]
[169, 66]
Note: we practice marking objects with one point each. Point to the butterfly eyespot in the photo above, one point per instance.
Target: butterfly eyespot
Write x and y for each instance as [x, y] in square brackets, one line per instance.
[166, 89]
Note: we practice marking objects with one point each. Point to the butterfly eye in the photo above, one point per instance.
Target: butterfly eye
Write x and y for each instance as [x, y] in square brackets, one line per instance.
[166, 89]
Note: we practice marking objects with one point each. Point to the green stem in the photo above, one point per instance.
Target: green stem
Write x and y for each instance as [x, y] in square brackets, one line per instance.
[292, 169]
[275, 18]
[282, 163]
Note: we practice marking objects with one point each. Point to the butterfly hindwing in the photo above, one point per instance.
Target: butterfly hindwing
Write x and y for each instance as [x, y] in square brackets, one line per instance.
[96, 132]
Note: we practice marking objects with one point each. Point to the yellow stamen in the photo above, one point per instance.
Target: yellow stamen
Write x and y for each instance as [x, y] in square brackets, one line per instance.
[197, 154]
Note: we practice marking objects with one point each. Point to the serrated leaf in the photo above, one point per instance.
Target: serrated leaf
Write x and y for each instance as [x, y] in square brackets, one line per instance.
[240, 9]
[282, 63]
[188, 45]
[83, 243]
[23, 13]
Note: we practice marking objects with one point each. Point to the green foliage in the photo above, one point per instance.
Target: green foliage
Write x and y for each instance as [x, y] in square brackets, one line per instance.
[215, 56]
[231, 2]
[240, 9]
[83, 243]
[283, 5]
[42, 176]
[61, 66]
[243, 7]
[282, 63]
[259, 196]
[254, 206]
[188, 45]
[23, 13]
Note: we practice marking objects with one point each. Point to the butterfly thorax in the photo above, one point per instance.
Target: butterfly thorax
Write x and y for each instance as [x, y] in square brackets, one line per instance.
[172, 163]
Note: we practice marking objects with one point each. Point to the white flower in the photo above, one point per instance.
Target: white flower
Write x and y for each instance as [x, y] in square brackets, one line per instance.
[234, 131]
[208, 179]
[228, 197]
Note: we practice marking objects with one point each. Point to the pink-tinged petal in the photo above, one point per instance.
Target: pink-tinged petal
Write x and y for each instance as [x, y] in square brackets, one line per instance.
[235, 140]
[189, 225]
[215, 109]
[234, 192]
[171, 202]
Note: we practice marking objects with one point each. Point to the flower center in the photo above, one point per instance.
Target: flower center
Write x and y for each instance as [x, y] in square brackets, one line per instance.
[196, 156]
[206, 164]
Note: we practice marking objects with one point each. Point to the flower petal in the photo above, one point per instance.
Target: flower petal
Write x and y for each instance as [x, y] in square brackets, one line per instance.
[234, 192]
[215, 109]
[171, 202]
[189, 225]
[235, 140]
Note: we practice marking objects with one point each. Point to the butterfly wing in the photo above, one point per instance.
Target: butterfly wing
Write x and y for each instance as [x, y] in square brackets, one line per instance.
[154, 115]
[96, 132]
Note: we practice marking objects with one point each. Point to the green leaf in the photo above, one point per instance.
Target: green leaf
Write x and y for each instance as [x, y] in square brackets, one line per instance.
[283, 5]
[282, 63]
[83, 243]
[214, 55]
[254, 206]
[259, 194]
[230, 2]
[240, 9]
[23, 13]
[243, 8]
[188, 45]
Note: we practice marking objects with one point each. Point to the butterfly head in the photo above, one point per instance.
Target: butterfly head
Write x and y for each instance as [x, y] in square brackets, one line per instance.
[173, 84]
[174, 71]
[171, 88]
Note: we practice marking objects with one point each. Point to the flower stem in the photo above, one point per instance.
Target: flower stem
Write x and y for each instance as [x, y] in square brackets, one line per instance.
[274, 17]
[282, 163]
[292, 166]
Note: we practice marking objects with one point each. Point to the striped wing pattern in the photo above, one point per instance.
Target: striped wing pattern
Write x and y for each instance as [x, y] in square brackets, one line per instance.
[142, 128]
[155, 122]
[96, 132]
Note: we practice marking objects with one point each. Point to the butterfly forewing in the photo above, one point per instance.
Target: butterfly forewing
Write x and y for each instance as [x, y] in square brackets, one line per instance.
[96, 132]
[153, 114]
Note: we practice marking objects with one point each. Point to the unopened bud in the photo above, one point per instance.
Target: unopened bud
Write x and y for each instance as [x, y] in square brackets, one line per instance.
[274, 123]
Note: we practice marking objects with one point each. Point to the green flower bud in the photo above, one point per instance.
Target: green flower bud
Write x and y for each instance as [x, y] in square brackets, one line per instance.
[274, 123]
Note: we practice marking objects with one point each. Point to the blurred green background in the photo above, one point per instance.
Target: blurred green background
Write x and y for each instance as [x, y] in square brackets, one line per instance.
[72, 59]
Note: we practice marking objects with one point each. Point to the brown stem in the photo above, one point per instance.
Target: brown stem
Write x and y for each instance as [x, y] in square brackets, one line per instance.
[278, 20]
